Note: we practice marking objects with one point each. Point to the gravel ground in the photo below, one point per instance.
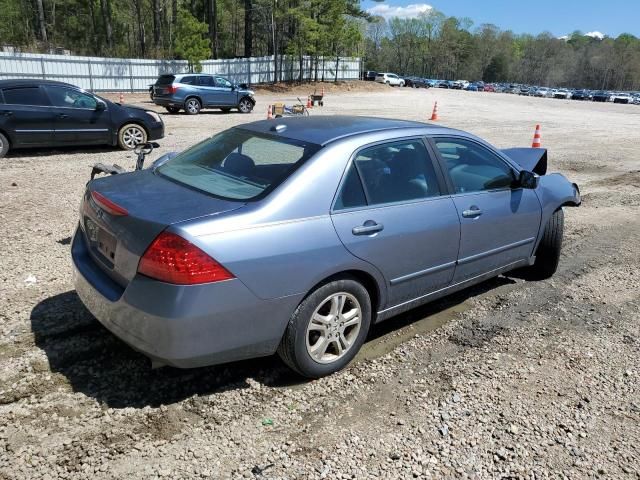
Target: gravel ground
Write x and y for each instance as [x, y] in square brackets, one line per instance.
[509, 379]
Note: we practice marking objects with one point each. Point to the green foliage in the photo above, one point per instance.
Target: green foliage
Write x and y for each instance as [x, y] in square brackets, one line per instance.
[191, 41]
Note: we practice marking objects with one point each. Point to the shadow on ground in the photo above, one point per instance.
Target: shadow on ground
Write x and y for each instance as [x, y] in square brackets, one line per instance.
[101, 366]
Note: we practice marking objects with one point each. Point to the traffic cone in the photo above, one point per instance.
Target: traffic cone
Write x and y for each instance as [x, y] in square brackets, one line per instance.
[269, 113]
[434, 114]
[309, 104]
[121, 99]
[537, 138]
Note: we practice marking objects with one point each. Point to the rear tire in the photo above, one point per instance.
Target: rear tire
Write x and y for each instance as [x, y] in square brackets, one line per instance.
[548, 253]
[131, 135]
[192, 106]
[341, 314]
[4, 145]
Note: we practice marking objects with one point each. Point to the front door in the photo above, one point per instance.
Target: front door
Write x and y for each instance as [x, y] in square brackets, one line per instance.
[77, 119]
[499, 220]
[390, 213]
[26, 116]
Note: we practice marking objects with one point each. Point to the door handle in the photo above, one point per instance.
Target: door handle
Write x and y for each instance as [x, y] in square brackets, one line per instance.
[6, 114]
[473, 212]
[63, 115]
[367, 228]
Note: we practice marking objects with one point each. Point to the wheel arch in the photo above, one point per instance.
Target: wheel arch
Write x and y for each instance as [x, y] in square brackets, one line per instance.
[248, 97]
[192, 95]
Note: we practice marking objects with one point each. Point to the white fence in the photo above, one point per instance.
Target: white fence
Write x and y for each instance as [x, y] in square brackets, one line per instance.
[130, 74]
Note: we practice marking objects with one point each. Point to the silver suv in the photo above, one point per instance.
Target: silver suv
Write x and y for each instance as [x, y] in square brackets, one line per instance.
[193, 92]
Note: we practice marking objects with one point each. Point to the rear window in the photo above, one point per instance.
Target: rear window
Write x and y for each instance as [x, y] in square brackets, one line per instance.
[25, 96]
[165, 80]
[238, 164]
[188, 80]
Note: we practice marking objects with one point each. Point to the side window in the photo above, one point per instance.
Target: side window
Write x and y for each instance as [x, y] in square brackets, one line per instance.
[188, 80]
[351, 194]
[472, 167]
[70, 98]
[25, 96]
[397, 171]
[205, 81]
[222, 82]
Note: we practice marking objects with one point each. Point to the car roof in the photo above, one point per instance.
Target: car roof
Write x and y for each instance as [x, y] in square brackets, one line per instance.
[324, 129]
[19, 82]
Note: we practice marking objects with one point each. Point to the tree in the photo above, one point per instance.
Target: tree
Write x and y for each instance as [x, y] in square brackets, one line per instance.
[191, 43]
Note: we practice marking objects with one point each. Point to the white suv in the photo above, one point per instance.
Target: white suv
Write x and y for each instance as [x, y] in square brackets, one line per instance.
[390, 79]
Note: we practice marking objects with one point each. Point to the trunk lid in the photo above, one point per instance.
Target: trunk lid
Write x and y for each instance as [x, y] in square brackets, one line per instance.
[116, 242]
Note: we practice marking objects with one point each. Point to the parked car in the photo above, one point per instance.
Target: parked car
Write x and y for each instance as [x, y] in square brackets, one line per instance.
[192, 92]
[196, 260]
[445, 84]
[562, 93]
[543, 92]
[472, 87]
[601, 96]
[621, 97]
[369, 76]
[580, 95]
[390, 79]
[42, 113]
[489, 87]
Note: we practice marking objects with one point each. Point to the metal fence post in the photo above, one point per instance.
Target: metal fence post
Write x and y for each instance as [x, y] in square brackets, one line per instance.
[131, 75]
[44, 74]
[90, 76]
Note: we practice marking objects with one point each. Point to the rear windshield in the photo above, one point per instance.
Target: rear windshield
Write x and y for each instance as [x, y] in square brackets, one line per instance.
[238, 164]
[165, 80]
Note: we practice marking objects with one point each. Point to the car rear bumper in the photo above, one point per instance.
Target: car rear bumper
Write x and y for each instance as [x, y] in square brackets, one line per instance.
[182, 326]
[168, 102]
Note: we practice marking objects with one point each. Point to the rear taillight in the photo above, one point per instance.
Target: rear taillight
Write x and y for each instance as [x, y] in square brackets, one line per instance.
[172, 89]
[172, 259]
[107, 205]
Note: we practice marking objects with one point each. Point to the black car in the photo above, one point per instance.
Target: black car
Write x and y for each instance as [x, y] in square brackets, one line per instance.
[369, 76]
[601, 96]
[580, 95]
[41, 113]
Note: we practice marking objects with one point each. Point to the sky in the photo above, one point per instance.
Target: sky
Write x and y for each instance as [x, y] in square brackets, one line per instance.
[560, 17]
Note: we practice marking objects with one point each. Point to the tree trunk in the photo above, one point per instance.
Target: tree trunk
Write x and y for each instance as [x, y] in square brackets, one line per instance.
[212, 15]
[140, 21]
[248, 26]
[106, 17]
[157, 23]
[41, 23]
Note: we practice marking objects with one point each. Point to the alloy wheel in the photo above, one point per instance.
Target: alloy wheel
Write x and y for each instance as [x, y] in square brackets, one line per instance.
[132, 136]
[245, 106]
[193, 106]
[334, 327]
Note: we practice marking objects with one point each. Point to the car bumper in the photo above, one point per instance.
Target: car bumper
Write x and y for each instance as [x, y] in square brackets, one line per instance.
[156, 131]
[182, 326]
[168, 102]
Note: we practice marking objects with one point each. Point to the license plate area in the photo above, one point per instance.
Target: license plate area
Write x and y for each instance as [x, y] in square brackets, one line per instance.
[102, 242]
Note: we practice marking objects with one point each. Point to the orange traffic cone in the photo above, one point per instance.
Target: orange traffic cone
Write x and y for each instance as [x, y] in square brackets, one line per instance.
[121, 98]
[309, 104]
[434, 114]
[537, 138]
[269, 113]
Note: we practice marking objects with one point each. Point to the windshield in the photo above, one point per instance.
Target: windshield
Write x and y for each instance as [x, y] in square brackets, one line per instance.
[238, 164]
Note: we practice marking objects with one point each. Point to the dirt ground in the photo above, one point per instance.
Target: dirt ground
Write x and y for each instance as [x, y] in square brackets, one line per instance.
[509, 379]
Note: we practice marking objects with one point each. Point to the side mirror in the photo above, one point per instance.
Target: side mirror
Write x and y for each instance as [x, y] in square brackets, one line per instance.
[528, 179]
[234, 88]
[100, 106]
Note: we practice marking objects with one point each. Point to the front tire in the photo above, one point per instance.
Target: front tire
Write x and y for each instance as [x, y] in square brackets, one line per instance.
[4, 145]
[327, 329]
[131, 135]
[548, 252]
[192, 106]
[245, 106]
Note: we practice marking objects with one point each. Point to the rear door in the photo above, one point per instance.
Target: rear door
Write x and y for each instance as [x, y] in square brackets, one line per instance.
[77, 119]
[499, 220]
[26, 116]
[207, 90]
[392, 213]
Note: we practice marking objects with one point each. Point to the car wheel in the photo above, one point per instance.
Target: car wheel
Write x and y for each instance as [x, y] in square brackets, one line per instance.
[192, 106]
[131, 135]
[327, 329]
[548, 252]
[245, 105]
[172, 109]
[4, 145]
